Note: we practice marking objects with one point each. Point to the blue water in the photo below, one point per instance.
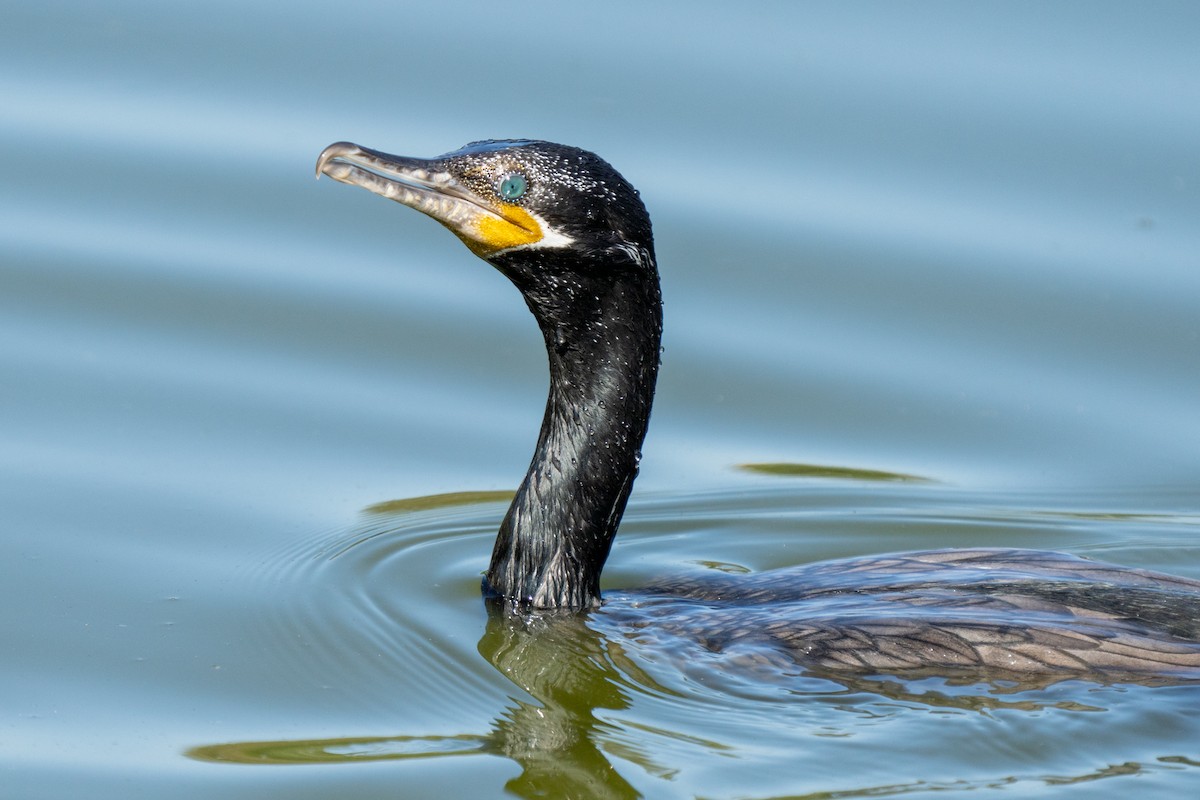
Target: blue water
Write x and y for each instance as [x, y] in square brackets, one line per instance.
[953, 241]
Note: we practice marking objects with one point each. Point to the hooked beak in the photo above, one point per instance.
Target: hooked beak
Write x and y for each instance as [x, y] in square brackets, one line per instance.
[485, 224]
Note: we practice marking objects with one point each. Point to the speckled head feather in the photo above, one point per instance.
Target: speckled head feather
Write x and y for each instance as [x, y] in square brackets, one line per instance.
[578, 193]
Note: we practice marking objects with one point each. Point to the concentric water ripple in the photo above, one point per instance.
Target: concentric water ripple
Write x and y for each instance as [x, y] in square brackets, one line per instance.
[347, 615]
[350, 612]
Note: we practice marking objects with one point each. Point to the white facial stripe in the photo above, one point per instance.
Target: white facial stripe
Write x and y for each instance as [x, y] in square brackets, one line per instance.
[551, 238]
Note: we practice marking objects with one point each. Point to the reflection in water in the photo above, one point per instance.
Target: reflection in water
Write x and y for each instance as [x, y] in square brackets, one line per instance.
[565, 667]
[562, 746]
[560, 662]
[608, 700]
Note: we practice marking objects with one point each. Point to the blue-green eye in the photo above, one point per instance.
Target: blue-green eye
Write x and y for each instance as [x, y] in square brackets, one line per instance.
[513, 186]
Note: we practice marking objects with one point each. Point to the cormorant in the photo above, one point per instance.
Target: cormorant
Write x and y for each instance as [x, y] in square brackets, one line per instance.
[575, 239]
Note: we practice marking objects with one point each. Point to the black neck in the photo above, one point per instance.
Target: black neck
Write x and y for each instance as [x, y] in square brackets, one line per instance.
[602, 323]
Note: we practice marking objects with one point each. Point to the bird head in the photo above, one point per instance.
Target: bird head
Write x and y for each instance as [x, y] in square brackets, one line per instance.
[504, 197]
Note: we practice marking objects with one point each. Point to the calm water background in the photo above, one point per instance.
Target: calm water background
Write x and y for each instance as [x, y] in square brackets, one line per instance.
[957, 241]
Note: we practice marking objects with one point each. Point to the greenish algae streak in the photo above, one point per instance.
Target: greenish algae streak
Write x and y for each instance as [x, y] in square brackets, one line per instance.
[790, 470]
[431, 501]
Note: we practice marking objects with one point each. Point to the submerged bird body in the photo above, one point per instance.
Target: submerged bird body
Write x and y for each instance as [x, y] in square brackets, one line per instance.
[574, 237]
[1000, 612]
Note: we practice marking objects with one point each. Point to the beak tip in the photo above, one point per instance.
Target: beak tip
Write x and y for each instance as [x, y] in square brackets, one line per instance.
[333, 151]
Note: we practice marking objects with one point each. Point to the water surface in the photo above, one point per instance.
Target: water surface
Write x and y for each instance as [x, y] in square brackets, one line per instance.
[953, 242]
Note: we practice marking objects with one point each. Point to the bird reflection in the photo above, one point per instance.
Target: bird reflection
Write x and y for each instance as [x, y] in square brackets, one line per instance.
[566, 668]
[569, 673]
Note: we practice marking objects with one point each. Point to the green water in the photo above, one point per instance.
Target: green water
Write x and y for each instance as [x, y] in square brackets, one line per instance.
[932, 267]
